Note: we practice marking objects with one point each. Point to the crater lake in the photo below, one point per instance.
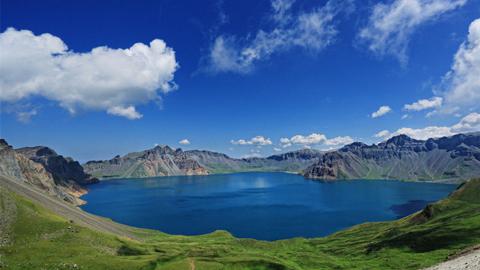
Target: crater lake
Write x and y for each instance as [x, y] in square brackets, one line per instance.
[266, 206]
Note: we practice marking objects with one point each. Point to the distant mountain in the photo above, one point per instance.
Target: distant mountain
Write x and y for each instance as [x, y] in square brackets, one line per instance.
[158, 161]
[165, 161]
[452, 158]
[45, 169]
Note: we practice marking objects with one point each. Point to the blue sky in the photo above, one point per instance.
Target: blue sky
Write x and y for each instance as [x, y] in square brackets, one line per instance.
[247, 78]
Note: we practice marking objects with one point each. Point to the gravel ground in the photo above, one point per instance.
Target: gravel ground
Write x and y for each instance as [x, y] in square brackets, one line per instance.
[468, 261]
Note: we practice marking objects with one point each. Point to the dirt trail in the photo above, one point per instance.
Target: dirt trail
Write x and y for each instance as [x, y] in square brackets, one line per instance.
[467, 261]
[192, 264]
[66, 210]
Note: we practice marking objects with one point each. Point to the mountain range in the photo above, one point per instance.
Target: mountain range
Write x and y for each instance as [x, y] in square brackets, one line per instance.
[165, 161]
[454, 158]
[446, 159]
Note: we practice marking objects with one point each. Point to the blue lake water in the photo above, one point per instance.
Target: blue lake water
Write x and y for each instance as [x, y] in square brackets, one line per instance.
[265, 206]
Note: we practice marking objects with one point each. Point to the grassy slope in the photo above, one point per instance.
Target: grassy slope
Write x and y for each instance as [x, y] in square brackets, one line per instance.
[43, 240]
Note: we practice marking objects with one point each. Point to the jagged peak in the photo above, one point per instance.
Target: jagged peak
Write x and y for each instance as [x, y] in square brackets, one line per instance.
[39, 151]
[164, 146]
[4, 144]
[162, 150]
[46, 151]
[354, 145]
[401, 139]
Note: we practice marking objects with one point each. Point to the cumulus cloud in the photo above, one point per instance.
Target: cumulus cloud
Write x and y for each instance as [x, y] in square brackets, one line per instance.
[184, 142]
[381, 111]
[257, 140]
[469, 123]
[128, 112]
[391, 24]
[313, 30]
[339, 141]
[382, 134]
[461, 85]
[419, 133]
[424, 104]
[315, 139]
[111, 80]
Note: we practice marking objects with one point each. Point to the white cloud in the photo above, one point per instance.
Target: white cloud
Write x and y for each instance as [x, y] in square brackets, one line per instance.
[424, 133]
[112, 80]
[254, 153]
[391, 24]
[381, 111]
[424, 104]
[257, 140]
[469, 123]
[312, 30]
[462, 83]
[276, 149]
[405, 116]
[26, 116]
[127, 112]
[339, 141]
[382, 134]
[184, 142]
[281, 10]
[315, 139]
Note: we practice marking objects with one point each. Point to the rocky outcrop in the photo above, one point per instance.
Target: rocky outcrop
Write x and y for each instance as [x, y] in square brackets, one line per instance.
[15, 165]
[454, 158]
[63, 169]
[158, 161]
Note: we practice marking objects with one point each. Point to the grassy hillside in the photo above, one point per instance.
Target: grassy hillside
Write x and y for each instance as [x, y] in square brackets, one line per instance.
[35, 238]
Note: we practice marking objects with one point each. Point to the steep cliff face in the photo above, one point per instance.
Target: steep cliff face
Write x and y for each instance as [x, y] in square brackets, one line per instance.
[63, 169]
[158, 161]
[453, 158]
[19, 167]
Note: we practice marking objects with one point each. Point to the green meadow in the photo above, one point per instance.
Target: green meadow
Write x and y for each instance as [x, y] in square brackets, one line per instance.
[35, 238]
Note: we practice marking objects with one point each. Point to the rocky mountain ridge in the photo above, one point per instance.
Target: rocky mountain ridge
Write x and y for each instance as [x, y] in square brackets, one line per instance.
[45, 169]
[63, 169]
[158, 161]
[452, 158]
[166, 161]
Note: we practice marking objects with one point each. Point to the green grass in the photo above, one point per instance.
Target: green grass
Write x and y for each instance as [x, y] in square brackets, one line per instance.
[42, 240]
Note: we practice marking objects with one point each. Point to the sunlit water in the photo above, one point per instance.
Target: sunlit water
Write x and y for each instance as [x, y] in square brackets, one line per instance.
[266, 206]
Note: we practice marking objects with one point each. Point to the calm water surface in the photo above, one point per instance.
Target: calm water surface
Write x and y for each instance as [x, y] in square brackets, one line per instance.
[266, 206]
